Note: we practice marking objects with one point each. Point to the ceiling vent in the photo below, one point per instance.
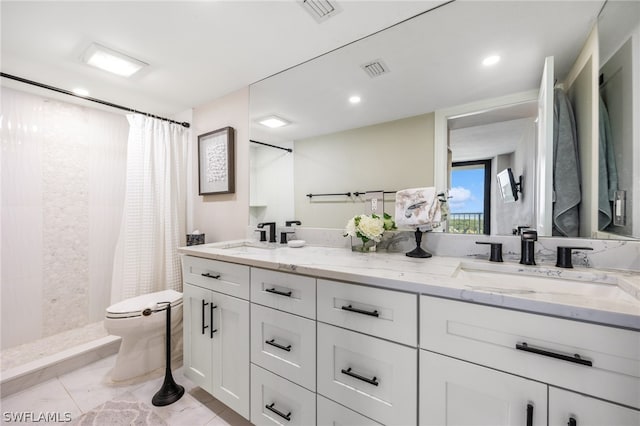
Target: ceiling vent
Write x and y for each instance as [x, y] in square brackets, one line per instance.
[375, 68]
[321, 10]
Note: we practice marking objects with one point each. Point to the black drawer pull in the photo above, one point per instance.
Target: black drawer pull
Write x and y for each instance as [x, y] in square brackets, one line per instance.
[575, 358]
[211, 320]
[348, 372]
[208, 275]
[204, 327]
[273, 343]
[281, 293]
[360, 311]
[287, 416]
[572, 422]
[529, 415]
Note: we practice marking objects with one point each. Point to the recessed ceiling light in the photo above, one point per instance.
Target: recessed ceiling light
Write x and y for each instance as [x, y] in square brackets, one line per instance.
[109, 60]
[354, 99]
[81, 92]
[491, 60]
[273, 122]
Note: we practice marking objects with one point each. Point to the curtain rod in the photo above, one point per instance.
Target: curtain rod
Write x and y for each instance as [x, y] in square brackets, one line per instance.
[272, 146]
[99, 101]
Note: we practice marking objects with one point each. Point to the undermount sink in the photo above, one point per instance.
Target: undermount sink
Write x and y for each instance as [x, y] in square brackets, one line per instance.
[519, 279]
[245, 246]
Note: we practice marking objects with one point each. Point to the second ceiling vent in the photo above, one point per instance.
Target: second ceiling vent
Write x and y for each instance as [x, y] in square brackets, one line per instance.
[375, 68]
[321, 10]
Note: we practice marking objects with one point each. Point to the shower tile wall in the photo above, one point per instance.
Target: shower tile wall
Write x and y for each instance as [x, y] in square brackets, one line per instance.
[63, 179]
[65, 225]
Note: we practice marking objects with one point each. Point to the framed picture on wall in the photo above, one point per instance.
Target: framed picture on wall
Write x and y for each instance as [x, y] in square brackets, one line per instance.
[216, 161]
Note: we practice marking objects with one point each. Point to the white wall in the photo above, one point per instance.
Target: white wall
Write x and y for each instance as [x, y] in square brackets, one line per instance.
[223, 216]
[389, 156]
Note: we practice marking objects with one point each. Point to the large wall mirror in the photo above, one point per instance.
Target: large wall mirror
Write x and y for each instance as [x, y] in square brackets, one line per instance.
[332, 156]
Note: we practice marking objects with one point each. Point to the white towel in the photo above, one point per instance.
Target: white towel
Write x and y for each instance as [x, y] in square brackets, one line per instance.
[418, 207]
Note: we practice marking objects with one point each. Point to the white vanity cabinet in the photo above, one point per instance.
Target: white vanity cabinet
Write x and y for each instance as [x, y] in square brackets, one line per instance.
[283, 348]
[373, 376]
[454, 392]
[216, 330]
[471, 352]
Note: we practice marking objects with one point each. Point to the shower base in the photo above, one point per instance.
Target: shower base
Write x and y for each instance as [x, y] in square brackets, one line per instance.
[31, 363]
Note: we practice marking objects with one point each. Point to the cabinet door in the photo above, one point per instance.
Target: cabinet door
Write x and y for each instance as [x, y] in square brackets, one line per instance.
[284, 344]
[570, 408]
[276, 401]
[454, 392]
[197, 336]
[230, 372]
[333, 414]
[371, 376]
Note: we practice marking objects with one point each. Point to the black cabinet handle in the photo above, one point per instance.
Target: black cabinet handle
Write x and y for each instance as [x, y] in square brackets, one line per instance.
[281, 293]
[348, 372]
[529, 415]
[572, 422]
[277, 345]
[361, 311]
[575, 358]
[208, 275]
[287, 416]
[204, 327]
[211, 320]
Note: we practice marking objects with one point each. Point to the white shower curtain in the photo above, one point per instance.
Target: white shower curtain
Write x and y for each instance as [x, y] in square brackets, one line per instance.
[153, 221]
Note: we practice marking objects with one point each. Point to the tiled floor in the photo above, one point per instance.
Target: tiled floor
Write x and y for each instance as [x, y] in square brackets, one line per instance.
[82, 390]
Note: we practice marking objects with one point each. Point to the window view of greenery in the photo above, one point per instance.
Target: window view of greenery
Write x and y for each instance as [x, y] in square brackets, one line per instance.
[466, 205]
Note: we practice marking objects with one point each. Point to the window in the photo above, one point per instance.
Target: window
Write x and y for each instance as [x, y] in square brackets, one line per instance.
[470, 202]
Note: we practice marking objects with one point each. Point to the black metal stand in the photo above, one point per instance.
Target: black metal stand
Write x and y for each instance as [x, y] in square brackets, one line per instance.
[418, 251]
[170, 391]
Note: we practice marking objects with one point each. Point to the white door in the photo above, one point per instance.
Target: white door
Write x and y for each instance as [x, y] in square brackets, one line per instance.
[230, 338]
[544, 166]
[197, 339]
[454, 392]
[570, 408]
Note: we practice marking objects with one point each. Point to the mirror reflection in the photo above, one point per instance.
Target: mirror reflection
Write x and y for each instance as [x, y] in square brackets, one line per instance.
[619, 132]
[389, 140]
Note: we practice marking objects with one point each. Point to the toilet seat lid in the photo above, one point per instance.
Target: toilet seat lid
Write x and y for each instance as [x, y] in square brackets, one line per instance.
[135, 305]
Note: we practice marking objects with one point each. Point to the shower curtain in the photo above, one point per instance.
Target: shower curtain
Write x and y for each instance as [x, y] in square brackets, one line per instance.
[62, 189]
[154, 215]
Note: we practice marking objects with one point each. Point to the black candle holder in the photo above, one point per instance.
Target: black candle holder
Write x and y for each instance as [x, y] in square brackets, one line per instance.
[418, 251]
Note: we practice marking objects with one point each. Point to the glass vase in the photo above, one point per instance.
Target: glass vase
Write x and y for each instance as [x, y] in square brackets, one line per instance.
[363, 247]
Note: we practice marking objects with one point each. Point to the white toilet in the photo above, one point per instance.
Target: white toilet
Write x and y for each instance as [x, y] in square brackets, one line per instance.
[141, 322]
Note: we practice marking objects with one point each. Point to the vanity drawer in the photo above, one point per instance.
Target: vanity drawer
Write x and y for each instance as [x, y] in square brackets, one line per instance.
[374, 377]
[277, 401]
[284, 344]
[285, 292]
[223, 277]
[332, 414]
[383, 313]
[488, 336]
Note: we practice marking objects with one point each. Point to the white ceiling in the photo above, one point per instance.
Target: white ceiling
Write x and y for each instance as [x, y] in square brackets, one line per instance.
[198, 51]
[435, 62]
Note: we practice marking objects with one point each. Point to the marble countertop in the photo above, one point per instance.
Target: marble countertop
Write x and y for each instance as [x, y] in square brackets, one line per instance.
[585, 294]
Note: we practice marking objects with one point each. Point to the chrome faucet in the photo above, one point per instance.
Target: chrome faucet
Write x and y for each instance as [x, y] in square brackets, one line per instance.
[528, 239]
[272, 230]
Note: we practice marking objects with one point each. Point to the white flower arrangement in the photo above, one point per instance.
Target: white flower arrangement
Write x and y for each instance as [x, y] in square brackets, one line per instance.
[369, 227]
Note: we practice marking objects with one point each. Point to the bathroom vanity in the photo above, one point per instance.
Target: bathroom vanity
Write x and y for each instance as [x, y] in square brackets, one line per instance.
[320, 335]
